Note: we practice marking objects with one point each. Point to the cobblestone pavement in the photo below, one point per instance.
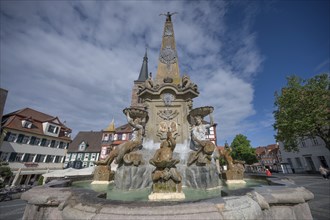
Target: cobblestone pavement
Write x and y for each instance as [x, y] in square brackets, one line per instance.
[320, 205]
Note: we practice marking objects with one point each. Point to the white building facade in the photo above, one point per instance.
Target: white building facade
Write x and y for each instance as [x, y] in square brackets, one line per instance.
[312, 154]
[33, 143]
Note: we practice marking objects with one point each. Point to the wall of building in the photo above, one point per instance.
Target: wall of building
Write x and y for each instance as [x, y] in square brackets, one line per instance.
[312, 154]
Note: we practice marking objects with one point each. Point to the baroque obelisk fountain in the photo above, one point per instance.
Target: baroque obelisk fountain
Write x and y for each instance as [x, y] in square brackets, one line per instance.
[169, 149]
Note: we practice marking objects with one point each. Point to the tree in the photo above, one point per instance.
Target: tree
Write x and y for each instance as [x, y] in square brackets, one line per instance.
[242, 150]
[302, 111]
[5, 173]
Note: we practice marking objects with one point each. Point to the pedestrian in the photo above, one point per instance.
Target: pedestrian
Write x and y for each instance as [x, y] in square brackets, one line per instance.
[324, 172]
[268, 173]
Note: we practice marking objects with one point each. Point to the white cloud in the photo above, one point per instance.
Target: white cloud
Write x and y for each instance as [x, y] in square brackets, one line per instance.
[78, 60]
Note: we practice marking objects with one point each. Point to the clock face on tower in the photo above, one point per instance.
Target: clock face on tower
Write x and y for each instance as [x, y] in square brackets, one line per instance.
[167, 55]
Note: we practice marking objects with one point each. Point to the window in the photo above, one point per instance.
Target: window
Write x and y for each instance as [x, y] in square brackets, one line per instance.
[67, 158]
[49, 158]
[84, 164]
[32, 140]
[298, 161]
[31, 157]
[86, 157]
[4, 156]
[79, 157]
[20, 138]
[26, 124]
[73, 157]
[93, 157]
[123, 137]
[25, 139]
[7, 136]
[28, 157]
[40, 158]
[12, 137]
[61, 145]
[106, 137]
[303, 144]
[52, 143]
[15, 157]
[37, 142]
[52, 129]
[43, 142]
[115, 137]
[57, 159]
[323, 162]
[315, 141]
[12, 157]
[82, 146]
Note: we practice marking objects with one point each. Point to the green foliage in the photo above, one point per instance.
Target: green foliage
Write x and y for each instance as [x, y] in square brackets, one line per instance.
[303, 111]
[222, 161]
[242, 150]
[41, 180]
[5, 173]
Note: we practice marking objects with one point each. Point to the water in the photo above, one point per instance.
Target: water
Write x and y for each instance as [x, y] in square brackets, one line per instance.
[142, 194]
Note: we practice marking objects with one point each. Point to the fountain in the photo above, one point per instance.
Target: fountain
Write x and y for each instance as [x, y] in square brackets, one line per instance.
[168, 153]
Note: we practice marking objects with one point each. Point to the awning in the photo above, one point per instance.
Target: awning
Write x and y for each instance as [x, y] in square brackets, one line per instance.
[70, 172]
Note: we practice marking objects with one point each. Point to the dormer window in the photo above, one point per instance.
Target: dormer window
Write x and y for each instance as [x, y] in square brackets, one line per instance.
[82, 146]
[67, 134]
[53, 129]
[26, 124]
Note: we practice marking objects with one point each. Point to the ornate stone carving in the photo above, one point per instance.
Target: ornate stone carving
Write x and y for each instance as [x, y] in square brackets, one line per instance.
[168, 55]
[168, 32]
[168, 98]
[166, 126]
[187, 83]
[167, 114]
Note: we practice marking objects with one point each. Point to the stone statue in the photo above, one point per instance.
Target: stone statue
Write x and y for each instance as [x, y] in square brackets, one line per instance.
[187, 83]
[168, 15]
[203, 148]
[149, 83]
[235, 168]
[123, 149]
[226, 154]
[165, 177]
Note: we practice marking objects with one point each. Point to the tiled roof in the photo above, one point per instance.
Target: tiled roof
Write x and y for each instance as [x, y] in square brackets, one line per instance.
[92, 138]
[260, 150]
[266, 149]
[14, 121]
[126, 128]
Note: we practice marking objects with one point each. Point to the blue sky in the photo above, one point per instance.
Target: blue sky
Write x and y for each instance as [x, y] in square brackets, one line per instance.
[78, 60]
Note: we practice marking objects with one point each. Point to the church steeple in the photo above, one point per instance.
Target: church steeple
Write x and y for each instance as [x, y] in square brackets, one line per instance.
[168, 67]
[144, 69]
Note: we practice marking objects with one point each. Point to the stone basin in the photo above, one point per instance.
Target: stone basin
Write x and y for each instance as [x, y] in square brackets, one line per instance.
[281, 200]
[164, 164]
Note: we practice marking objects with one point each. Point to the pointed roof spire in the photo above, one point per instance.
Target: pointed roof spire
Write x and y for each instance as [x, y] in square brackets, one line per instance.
[168, 66]
[144, 68]
[111, 127]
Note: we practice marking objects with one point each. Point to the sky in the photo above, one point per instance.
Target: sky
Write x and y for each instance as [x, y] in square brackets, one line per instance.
[78, 59]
